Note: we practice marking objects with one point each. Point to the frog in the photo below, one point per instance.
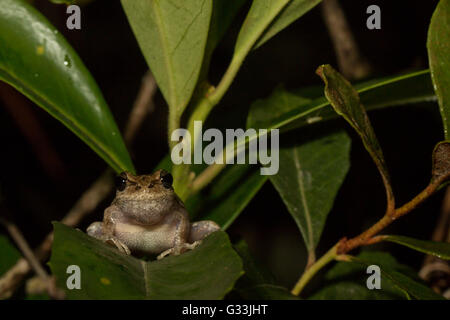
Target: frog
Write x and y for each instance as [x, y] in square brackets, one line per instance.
[147, 217]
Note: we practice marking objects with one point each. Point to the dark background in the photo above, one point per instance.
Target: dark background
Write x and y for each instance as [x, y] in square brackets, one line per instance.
[36, 192]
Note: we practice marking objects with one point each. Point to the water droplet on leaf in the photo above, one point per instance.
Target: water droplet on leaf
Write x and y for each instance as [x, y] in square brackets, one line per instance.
[67, 61]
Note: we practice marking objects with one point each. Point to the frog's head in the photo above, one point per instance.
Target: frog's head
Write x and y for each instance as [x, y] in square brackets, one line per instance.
[145, 187]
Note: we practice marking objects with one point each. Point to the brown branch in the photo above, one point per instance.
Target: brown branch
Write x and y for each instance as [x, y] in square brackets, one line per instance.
[90, 199]
[367, 237]
[22, 243]
[143, 106]
[48, 283]
[350, 61]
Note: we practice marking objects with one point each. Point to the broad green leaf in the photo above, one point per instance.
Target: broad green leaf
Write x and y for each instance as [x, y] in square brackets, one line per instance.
[228, 195]
[258, 283]
[37, 60]
[8, 254]
[348, 290]
[438, 44]
[347, 281]
[172, 36]
[293, 10]
[438, 249]
[308, 106]
[309, 178]
[411, 287]
[207, 272]
[346, 102]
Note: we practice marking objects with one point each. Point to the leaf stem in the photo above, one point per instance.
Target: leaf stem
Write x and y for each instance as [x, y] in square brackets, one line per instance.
[200, 113]
[311, 271]
[213, 97]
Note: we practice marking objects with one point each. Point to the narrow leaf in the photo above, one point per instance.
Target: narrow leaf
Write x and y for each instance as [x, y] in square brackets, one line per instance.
[266, 18]
[308, 180]
[172, 36]
[37, 60]
[223, 13]
[438, 249]
[308, 106]
[438, 44]
[293, 11]
[261, 14]
[346, 102]
[207, 272]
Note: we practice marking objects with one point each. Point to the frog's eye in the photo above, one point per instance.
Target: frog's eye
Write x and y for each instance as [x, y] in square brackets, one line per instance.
[166, 179]
[121, 181]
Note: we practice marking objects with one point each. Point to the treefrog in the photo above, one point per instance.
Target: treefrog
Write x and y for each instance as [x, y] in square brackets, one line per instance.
[146, 216]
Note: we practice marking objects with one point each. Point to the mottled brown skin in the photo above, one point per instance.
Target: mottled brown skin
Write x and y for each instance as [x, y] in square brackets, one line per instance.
[147, 216]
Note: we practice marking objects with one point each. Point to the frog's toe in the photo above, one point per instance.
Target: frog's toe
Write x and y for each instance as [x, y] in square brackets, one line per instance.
[122, 247]
[179, 249]
[165, 253]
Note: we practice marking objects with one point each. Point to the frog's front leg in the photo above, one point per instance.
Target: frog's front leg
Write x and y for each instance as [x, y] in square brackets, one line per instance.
[180, 221]
[198, 231]
[104, 231]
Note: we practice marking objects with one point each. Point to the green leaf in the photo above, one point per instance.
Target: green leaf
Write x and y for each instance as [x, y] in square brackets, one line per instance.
[281, 102]
[223, 13]
[312, 107]
[347, 290]
[261, 14]
[293, 11]
[258, 283]
[411, 287]
[37, 60]
[8, 254]
[207, 272]
[347, 281]
[309, 178]
[438, 249]
[228, 195]
[266, 18]
[346, 102]
[172, 36]
[438, 44]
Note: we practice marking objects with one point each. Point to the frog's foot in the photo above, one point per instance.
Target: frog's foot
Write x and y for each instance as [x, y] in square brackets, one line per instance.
[96, 230]
[179, 249]
[122, 247]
